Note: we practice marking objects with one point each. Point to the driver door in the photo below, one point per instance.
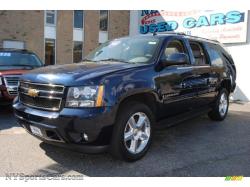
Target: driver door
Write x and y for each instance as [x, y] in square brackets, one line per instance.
[173, 83]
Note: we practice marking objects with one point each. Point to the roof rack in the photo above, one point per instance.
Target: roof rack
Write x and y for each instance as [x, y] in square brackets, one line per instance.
[204, 38]
[184, 34]
[169, 32]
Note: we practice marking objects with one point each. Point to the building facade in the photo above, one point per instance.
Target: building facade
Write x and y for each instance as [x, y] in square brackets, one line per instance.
[62, 36]
[65, 36]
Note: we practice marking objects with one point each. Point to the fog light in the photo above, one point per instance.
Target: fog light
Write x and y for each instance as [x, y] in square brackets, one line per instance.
[85, 136]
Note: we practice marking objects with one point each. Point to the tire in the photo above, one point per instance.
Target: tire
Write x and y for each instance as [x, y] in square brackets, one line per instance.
[142, 137]
[220, 110]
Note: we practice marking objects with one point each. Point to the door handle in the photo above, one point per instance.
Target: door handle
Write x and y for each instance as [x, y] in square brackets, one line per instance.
[213, 73]
[207, 80]
[196, 76]
[183, 85]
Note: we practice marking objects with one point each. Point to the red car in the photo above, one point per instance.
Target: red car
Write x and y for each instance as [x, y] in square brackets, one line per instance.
[13, 63]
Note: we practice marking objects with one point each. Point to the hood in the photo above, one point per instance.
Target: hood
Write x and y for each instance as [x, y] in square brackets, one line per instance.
[73, 74]
[12, 72]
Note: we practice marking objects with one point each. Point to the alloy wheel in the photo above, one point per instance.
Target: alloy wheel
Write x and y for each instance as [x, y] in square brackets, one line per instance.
[137, 133]
[223, 104]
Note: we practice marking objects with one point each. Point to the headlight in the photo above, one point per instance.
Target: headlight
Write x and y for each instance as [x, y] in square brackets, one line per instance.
[86, 96]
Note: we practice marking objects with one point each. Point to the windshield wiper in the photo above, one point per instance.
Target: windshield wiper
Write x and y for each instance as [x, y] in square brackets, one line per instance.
[114, 60]
[85, 60]
[105, 60]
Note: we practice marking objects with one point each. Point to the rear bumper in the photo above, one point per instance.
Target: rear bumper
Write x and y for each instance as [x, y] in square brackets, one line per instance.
[67, 127]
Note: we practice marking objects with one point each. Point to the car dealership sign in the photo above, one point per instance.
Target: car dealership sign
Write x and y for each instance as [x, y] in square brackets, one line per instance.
[224, 26]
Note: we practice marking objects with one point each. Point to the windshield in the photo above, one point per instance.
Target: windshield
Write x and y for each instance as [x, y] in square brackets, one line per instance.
[19, 59]
[130, 50]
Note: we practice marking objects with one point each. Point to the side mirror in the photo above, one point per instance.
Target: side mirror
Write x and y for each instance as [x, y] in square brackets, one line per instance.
[175, 59]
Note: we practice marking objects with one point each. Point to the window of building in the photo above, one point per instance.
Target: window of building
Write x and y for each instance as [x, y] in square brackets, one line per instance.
[103, 20]
[77, 52]
[78, 19]
[10, 44]
[51, 17]
[50, 55]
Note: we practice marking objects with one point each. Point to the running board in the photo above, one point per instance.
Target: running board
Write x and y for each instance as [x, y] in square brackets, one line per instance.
[168, 122]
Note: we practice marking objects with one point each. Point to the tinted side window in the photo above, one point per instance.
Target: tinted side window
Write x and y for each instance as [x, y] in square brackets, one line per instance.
[198, 53]
[174, 46]
[215, 57]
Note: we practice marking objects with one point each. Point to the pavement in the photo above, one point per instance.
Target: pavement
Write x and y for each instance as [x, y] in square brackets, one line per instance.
[197, 147]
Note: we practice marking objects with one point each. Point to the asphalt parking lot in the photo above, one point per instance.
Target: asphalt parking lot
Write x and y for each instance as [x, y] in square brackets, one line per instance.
[198, 147]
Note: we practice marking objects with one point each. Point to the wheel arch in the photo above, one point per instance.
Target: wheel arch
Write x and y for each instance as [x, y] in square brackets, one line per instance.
[148, 98]
[226, 83]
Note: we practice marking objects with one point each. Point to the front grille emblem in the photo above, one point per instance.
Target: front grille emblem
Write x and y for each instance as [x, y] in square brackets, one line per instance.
[33, 92]
[41, 96]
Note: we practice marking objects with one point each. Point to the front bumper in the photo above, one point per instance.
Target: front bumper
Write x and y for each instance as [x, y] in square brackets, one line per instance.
[5, 98]
[67, 127]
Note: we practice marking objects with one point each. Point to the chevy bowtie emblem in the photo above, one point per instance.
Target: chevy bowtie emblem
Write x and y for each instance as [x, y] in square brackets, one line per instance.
[33, 92]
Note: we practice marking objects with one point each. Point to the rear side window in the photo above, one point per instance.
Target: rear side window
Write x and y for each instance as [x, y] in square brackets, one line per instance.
[198, 53]
[215, 56]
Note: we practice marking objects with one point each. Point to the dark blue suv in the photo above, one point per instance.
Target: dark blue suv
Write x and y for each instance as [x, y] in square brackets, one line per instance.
[125, 89]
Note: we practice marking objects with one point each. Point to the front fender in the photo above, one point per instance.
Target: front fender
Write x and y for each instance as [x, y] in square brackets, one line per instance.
[120, 85]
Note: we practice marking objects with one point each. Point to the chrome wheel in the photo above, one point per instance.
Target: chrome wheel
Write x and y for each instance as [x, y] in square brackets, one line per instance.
[223, 104]
[137, 132]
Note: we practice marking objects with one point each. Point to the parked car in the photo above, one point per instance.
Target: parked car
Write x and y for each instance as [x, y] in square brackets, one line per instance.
[13, 63]
[124, 90]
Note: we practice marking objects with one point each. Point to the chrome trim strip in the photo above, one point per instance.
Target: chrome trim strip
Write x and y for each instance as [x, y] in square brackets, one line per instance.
[35, 112]
[179, 98]
[50, 85]
[20, 117]
[5, 79]
[49, 97]
[45, 91]
[33, 106]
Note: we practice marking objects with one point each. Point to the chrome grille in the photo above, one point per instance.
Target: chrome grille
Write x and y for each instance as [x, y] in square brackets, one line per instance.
[49, 96]
[11, 82]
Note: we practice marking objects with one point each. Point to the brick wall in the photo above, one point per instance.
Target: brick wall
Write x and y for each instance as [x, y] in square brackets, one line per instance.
[118, 27]
[91, 30]
[27, 26]
[64, 37]
[118, 23]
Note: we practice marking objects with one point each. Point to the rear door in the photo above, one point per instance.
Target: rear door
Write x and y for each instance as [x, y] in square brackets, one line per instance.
[201, 81]
[219, 68]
